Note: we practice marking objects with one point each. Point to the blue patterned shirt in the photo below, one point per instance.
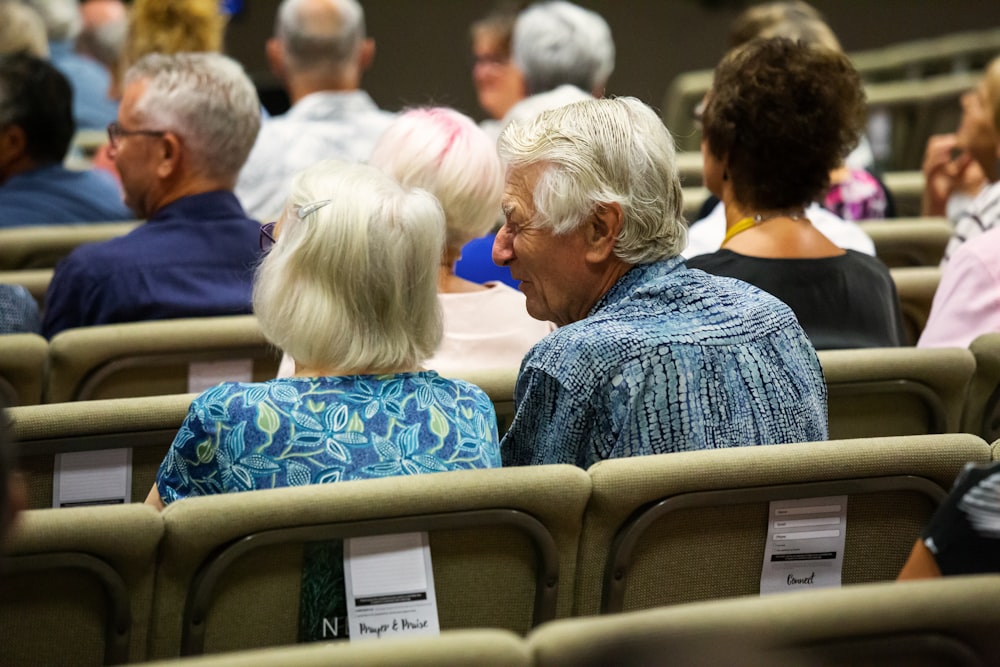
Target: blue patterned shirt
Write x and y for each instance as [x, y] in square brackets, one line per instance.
[670, 359]
[295, 431]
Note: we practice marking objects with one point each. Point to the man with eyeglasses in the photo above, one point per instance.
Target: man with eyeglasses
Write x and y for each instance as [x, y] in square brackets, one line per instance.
[36, 126]
[185, 127]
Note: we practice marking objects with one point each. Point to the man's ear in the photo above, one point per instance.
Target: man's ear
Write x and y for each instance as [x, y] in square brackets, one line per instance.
[13, 143]
[275, 53]
[366, 54]
[602, 229]
[170, 155]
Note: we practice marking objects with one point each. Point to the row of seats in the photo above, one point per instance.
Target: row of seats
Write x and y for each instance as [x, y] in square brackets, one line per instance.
[511, 547]
[942, 622]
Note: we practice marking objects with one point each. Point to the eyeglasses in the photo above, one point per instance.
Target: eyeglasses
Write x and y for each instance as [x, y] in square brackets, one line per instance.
[267, 239]
[116, 132]
[490, 60]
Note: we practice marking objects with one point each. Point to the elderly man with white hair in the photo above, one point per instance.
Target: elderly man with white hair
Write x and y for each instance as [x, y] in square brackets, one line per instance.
[565, 54]
[319, 52]
[650, 357]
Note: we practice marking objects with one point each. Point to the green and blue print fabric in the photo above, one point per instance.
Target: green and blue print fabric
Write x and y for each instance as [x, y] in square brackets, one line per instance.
[295, 431]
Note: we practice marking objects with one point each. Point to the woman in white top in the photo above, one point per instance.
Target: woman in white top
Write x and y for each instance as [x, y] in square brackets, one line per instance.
[444, 152]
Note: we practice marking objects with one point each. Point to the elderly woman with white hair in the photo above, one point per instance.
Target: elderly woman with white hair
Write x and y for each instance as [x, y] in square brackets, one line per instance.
[445, 153]
[649, 357]
[348, 291]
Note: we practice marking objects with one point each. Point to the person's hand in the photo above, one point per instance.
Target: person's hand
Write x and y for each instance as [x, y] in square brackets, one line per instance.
[947, 169]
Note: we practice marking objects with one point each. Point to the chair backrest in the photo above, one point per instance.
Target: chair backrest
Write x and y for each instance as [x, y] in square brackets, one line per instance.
[915, 286]
[457, 648]
[77, 585]
[36, 281]
[146, 425]
[896, 391]
[41, 246]
[907, 188]
[692, 526]
[954, 52]
[982, 409]
[949, 621]
[22, 366]
[909, 241]
[498, 383]
[153, 358]
[501, 541]
[682, 96]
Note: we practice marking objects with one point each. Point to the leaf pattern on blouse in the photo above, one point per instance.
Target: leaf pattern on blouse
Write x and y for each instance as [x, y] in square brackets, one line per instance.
[296, 431]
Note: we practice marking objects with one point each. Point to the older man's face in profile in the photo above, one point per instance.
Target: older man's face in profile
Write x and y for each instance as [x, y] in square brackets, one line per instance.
[554, 275]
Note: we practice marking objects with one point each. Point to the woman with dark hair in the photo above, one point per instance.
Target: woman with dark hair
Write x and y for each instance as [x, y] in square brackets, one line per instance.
[779, 118]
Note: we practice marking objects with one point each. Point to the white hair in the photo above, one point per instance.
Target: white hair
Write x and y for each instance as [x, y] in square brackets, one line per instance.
[320, 34]
[353, 284]
[447, 154]
[61, 17]
[207, 100]
[604, 151]
[558, 43]
[22, 31]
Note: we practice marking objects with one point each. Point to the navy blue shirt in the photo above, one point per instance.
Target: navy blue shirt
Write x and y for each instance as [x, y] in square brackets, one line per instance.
[56, 195]
[195, 257]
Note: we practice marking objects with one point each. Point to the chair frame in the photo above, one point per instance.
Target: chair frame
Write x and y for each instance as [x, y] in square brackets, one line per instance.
[622, 547]
[935, 406]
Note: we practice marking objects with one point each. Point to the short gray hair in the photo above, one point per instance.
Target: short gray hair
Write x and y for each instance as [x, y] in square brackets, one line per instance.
[312, 41]
[61, 17]
[206, 99]
[604, 151]
[353, 284]
[558, 43]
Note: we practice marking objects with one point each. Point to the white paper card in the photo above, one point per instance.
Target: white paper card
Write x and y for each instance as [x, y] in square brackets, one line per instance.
[103, 477]
[390, 586]
[805, 544]
[204, 375]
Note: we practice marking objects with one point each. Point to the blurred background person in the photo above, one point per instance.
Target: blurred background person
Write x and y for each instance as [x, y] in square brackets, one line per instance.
[36, 128]
[499, 84]
[349, 292]
[18, 311]
[22, 30]
[92, 110]
[319, 52]
[102, 35]
[780, 116]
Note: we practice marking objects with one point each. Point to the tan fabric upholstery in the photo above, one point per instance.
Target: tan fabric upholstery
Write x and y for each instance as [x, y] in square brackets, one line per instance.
[937, 622]
[896, 391]
[909, 241]
[458, 648]
[982, 408]
[147, 424]
[22, 363]
[713, 552]
[150, 358]
[915, 286]
[57, 616]
[484, 576]
[36, 281]
[498, 383]
[39, 247]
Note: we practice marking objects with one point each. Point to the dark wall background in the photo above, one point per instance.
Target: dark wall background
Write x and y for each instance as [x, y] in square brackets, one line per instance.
[423, 45]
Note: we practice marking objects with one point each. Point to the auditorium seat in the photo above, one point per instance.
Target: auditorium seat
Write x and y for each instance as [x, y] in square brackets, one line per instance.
[503, 542]
[77, 585]
[41, 246]
[152, 358]
[22, 363]
[147, 425]
[982, 409]
[909, 241]
[896, 391]
[915, 286]
[36, 281]
[692, 526]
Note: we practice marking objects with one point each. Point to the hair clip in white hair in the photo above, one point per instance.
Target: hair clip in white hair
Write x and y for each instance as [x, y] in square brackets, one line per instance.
[308, 209]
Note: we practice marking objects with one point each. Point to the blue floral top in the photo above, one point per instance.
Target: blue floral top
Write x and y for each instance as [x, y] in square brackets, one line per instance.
[294, 431]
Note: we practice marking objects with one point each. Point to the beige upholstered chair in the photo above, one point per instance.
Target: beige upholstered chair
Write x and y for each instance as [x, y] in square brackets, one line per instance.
[692, 526]
[152, 358]
[683, 95]
[77, 585]
[457, 648]
[503, 541]
[36, 281]
[39, 247]
[22, 364]
[146, 425]
[498, 383]
[909, 241]
[982, 409]
[896, 391]
[915, 286]
[950, 621]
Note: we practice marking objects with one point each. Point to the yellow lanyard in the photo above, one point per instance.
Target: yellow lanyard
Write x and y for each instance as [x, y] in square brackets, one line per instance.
[738, 228]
